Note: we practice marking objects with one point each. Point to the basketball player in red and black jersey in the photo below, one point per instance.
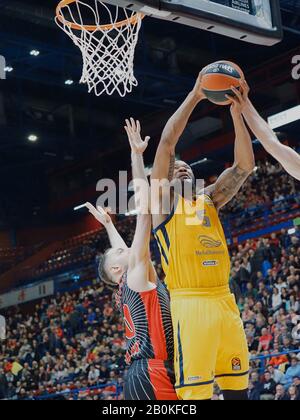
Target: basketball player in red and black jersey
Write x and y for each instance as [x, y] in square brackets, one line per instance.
[141, 297]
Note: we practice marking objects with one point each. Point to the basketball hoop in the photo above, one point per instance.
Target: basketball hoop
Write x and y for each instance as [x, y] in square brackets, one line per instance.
[107, 48]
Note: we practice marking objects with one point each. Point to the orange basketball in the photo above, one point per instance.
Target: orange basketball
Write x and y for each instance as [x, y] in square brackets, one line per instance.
[217, 81]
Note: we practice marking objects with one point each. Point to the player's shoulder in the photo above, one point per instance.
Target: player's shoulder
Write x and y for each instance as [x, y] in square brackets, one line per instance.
[206, 194]
[208, 191]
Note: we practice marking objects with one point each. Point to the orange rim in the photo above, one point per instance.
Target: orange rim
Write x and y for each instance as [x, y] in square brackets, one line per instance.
[63, 3]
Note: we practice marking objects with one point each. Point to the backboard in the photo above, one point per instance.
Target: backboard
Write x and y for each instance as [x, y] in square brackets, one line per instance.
[255, 21]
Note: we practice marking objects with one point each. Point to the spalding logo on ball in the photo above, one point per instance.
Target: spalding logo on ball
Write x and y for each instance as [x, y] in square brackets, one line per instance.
[217, 81]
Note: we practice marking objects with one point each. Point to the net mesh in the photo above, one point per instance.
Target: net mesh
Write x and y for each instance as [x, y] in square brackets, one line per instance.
[107, 49]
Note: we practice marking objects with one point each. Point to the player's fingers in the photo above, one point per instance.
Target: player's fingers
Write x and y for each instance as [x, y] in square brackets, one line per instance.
[129, 126]
[138, 126]
[89, 206]
[129, 132]
[133, 125]
[245, 83]
[147, 139]
[245, 87]
[230, 98]
[130, 136]
[101, 210]
[93, 211]
[236, 92]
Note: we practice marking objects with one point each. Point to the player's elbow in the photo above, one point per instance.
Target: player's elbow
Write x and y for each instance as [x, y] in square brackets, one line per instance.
[247, 166]
[168, 138]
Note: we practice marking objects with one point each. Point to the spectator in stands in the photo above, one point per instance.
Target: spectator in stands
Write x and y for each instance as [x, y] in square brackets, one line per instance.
[94, 375]
[280, 394]
[292, 372]
[253, 392]
[265, 340]
[254, 386]
[293, 394]
[276, 300]
[276, 374]
[268, 387]
[296, 383]
[3, 385]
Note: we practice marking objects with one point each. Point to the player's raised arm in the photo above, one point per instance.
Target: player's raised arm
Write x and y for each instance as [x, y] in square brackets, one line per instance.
[104, 218]
[165, 157]
[140, 271]
[285, 155]
[231, 180]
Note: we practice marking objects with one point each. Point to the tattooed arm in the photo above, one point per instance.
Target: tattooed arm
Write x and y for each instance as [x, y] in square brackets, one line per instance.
[231, 180]
[163, 168]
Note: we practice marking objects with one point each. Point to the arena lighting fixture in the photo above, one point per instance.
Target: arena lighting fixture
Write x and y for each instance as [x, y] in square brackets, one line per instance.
[32, 137]
[69, 82]
[8, 69]
[284, 118]
[199, 162]
[34, 53]
[82, 206]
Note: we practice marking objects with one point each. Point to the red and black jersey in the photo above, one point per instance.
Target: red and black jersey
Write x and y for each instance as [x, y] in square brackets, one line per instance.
[148, 322]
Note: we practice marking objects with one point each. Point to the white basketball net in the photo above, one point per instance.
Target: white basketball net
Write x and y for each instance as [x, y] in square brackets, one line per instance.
[107, 53]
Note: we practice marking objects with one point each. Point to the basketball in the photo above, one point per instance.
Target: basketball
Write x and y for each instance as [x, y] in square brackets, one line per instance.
[218, 78]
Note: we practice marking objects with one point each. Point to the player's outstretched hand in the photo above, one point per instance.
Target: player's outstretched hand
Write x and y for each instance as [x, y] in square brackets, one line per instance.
[100, 214]
[240, 99]
[198, 90]
[133, 130]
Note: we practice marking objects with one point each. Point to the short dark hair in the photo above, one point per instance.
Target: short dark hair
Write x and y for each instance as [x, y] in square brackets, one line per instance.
[103, 275]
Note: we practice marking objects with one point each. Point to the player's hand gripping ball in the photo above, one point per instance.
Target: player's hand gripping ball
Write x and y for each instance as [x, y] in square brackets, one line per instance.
[217, 80]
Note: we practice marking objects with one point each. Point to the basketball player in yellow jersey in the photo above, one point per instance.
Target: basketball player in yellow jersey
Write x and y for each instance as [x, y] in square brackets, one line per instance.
[210, 342]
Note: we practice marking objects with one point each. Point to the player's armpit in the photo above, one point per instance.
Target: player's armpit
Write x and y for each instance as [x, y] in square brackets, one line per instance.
[227, 185]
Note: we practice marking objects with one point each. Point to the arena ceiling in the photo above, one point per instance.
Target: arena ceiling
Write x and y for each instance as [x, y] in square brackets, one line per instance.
[79, 131]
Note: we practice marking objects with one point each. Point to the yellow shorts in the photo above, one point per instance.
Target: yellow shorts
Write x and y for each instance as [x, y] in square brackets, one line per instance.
[210, 343]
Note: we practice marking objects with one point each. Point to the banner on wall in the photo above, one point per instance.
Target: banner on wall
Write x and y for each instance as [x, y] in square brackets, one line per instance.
[27, 294]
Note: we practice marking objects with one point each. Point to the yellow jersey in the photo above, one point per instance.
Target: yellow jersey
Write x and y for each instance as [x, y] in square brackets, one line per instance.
[193, 246]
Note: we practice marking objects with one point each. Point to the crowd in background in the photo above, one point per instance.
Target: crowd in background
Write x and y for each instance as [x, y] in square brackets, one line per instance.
[268, 190]
[75, 340]
[266, 274]
[68, 343]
